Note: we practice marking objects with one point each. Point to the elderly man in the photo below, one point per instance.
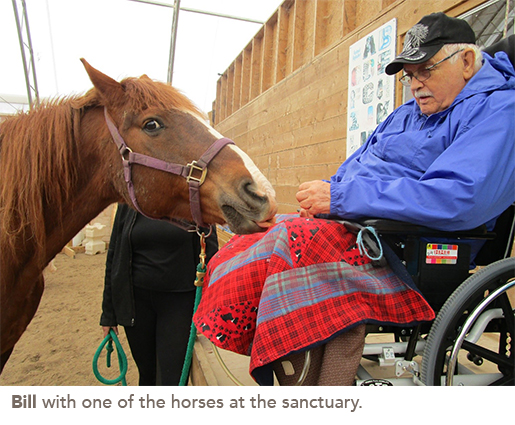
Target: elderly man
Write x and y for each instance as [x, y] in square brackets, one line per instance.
[445, 159]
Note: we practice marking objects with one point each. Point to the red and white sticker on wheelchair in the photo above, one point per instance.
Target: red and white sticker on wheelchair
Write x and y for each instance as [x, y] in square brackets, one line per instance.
[441, 254]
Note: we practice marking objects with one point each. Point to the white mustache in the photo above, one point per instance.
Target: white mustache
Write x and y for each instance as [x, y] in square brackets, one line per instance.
[420, 94]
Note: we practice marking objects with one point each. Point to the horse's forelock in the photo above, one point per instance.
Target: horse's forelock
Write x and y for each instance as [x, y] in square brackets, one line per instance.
[140, 94]
[143, 93]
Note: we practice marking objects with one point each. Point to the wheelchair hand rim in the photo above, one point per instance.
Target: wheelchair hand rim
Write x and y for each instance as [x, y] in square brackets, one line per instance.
[468, 324]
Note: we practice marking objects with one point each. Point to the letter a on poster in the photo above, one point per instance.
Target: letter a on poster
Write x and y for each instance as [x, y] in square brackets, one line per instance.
[371, 95]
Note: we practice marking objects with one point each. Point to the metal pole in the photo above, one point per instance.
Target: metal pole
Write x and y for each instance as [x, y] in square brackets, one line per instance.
[506, 17]
[222, 15]
[203, 12]
[22, 50]
[33, 63]
[32, 88]
[173, 40]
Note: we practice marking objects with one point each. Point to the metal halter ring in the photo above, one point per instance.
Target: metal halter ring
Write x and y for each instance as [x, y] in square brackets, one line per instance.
[193, 166]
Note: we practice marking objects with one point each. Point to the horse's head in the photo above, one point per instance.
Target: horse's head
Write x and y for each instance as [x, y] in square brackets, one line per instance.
[155, 120]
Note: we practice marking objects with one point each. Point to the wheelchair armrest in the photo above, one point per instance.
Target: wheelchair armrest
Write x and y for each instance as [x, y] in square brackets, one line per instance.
[394, 227]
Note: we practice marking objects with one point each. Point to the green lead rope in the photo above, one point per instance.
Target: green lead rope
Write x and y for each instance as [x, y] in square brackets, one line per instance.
[199, 282]
[191, 343]
[122, 359]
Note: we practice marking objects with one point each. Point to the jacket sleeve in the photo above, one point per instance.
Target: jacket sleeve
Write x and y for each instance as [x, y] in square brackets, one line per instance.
[469, 184]
[108, 317]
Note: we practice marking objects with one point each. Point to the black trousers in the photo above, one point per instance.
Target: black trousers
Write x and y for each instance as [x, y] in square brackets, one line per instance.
[159, 338]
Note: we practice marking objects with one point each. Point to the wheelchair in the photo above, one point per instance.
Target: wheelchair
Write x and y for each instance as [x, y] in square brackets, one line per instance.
[470, 342]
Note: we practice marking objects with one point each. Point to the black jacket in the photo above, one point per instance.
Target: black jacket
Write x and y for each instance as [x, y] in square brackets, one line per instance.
[118, 298]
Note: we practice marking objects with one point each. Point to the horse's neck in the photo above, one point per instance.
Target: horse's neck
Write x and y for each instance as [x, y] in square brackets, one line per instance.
[81, 209]
[92, 193]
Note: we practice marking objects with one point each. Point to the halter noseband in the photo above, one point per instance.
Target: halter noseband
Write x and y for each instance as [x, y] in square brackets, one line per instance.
[199, 168]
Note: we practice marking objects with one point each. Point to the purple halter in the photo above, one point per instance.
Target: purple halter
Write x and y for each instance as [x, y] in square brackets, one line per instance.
[198, 167]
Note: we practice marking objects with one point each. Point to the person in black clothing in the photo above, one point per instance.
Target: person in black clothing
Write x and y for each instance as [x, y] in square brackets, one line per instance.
[149, 290]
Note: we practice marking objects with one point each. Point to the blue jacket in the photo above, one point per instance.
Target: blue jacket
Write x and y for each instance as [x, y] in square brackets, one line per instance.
[453, 170]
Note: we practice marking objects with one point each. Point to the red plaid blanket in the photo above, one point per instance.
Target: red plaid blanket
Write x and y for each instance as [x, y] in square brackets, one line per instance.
[296, 286]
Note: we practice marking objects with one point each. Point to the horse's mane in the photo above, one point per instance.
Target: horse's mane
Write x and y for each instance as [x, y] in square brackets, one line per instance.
[38, 155]
[36, 167]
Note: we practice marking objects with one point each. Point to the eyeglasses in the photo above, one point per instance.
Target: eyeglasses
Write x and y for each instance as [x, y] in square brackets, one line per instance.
[425, 73]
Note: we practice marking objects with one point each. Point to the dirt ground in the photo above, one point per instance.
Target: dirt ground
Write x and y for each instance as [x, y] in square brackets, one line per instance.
[59, 344]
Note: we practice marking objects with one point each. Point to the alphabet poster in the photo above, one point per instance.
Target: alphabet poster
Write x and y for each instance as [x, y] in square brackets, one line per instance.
[371, 94]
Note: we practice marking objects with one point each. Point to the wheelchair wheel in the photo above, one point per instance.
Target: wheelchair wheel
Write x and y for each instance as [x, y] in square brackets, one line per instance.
[470, 342]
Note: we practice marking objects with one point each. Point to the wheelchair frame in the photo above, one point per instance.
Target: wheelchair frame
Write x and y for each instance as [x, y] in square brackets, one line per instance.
[452, 348]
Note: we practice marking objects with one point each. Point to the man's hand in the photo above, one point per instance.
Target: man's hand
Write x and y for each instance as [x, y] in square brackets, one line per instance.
[314, 198]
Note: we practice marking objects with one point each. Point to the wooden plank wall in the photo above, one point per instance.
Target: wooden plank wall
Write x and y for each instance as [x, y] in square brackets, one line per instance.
[284, 98]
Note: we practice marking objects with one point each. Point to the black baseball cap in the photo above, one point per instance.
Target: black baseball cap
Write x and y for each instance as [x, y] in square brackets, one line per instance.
[428, 36]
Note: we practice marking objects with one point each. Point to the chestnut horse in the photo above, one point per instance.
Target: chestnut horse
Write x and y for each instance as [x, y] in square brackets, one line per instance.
[59, 168]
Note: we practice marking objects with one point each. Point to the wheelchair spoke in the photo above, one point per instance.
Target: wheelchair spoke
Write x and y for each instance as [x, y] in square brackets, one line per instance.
[509, 313]
[489, 355]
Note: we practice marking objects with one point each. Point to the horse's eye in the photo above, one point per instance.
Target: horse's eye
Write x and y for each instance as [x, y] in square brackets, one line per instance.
[152, 125]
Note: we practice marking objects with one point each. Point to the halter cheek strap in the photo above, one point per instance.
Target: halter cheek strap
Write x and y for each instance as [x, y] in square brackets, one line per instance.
[194, 172]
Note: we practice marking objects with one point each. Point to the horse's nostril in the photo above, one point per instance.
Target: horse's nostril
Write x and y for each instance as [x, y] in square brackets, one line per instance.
[250, 190]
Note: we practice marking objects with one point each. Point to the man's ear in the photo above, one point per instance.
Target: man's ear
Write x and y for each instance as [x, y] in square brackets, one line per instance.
[469, 61]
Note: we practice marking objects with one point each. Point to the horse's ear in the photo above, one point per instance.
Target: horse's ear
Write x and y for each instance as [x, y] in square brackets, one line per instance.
[145, 77]
[108, 88]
